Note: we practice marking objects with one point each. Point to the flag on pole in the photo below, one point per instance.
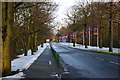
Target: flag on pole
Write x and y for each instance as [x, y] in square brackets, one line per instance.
[81, 34]
[74, 35]
[95, 26]
[87, 32]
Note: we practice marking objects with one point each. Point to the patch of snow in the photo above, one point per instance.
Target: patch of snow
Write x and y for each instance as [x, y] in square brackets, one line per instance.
[24, 62]
[104, 49]
[19, 75]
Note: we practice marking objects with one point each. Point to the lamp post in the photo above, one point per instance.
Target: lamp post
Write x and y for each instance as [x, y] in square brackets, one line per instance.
[110, 30]
[110, 35]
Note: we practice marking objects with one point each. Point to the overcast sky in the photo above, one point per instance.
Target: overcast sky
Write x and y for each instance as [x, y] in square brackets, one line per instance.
[64, 5]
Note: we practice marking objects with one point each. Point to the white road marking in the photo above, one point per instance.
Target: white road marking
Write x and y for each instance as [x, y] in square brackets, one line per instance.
[47, 53]
[118, 63]
[65, 69]
[109, 61]
[100, 59]
[50, 62]
[114, 62]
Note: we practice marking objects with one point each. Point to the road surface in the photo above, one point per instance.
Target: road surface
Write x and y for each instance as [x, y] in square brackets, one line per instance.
[84, 64]
[43, 68]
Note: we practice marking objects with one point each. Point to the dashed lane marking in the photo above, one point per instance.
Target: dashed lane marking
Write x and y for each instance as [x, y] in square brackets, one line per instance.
[109, 61]
[50, 63]
[117, 63]
[114, 62]
[100, 59]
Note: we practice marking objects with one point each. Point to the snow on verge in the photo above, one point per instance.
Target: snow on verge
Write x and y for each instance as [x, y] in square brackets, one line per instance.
[24, 62]
[79, 46]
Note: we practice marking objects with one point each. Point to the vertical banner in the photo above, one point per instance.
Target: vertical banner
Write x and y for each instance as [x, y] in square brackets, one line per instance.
[95, 26]
[87, 32]
[70, 36]
[81, 36]
[60, 38]
[74, 35]
[64, 38]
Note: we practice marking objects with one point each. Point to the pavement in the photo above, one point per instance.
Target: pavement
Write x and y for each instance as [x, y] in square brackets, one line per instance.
[90, 65]
[44, 67]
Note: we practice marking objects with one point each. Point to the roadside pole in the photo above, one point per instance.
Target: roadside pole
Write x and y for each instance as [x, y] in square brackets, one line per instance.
[110, 30]
[89, 36]
[83, 37]
[97, 38]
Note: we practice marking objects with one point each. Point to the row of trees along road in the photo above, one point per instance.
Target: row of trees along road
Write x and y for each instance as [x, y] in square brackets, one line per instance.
[25, 25]
[84, 15]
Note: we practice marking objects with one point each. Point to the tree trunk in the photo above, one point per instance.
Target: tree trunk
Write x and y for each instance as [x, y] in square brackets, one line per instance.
[32, 52]
[100, 37]
[73, 43]
[31, 45]
[36, 35]
[7, 19]
[25, 52]
[24, 45]
[100, 33]
[110, 37]
[41, 44]
[85, 38]
[0, 40]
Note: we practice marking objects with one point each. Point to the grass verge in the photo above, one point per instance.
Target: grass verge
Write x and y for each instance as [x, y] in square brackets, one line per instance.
[56, 57]
[104, 52]
[98, 51]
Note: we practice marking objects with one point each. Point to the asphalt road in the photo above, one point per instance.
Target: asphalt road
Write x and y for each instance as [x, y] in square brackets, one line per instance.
[84, 64]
